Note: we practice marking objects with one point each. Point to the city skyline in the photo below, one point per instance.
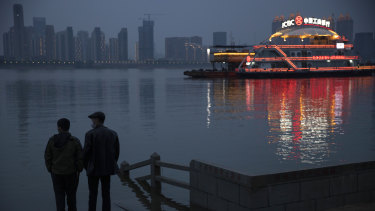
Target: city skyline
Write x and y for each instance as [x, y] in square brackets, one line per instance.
[204, 19]
[39, 42]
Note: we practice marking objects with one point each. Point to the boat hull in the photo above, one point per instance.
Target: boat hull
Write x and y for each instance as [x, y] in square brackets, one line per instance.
[307, 74]
[299, 74]
[210, 74]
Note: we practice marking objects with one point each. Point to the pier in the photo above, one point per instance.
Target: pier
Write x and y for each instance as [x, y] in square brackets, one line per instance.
[213, 187]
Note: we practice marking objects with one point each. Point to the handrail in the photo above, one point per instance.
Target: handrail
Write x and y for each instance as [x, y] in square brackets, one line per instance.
[172, 166]
[137, 165]
[147, 177]
[155, 174]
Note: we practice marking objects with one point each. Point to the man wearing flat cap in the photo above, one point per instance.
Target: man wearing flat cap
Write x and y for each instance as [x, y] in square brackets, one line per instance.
[100, 155]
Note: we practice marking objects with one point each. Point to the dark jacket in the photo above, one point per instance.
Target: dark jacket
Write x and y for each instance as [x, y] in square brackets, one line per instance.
[63, 154]
[101, 152]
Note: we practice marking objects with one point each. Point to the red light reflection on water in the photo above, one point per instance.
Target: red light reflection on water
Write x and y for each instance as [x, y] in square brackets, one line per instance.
[303, 115]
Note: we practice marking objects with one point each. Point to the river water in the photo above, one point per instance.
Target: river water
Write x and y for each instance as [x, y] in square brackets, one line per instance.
[252, 126]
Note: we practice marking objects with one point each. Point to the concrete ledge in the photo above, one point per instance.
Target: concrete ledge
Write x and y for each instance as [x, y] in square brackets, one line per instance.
[264, 180]
[366, 180]
[219, 172]
[284, 193]
[315, 189]
[253, 198]
[344, 184]
[217, 188]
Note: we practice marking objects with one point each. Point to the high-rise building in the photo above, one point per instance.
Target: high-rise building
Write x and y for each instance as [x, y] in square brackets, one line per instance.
[10, 43]
[38, 37]
[28, 42]
[106, 55]
[61, 46]
[344, 27]
[97, 45]
[194, 49]
[70, 49]
[219, 38]
[65, 46]
[113, 49]
[7, 45]
[146, 40]
[364, 46]
[123, 44]
[276, 23]
[185, 49]
[136, 51]
[196, 40]
[82, 43]
[175, 48]
[50, 42]
[19, 33]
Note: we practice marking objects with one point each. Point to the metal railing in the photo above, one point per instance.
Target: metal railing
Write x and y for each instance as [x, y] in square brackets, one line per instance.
[155, 172]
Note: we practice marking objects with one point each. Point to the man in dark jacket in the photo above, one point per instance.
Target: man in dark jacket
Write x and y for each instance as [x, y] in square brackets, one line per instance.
[100, 155]
[63, 157]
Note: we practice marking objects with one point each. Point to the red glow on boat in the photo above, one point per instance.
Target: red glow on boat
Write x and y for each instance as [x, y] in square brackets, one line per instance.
[298, 20]
[248, 59]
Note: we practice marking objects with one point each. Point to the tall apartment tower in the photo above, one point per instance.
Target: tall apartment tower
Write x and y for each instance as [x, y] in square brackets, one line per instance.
[113, 53]
[8, 46]
[175, 48]
[38, 37]
[146, 40]
[344, 27]
[61, 46]
[123, 44]
[82, 46]
[50, 42]
[20, 51]
[97, 45]
[70, 44]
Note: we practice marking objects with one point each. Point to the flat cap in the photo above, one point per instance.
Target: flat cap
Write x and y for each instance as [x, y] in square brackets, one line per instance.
[99, 115]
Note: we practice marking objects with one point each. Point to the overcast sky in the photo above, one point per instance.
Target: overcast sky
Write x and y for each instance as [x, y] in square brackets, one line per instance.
[249, 21]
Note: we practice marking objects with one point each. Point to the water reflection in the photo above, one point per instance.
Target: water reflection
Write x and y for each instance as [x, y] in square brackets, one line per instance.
[254, 123]
[20, 90]
[303, 115]
[147, 103]
[149, 198]
[209, 104]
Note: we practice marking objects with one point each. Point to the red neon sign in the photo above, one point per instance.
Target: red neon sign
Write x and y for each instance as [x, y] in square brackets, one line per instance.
[298, 20]
[301, 46]
[333, 57]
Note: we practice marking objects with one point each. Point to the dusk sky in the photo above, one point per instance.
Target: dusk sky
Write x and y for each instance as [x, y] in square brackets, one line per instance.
[248, 21]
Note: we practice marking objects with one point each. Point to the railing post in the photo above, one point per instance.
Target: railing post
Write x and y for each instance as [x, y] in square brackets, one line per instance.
[155, 171]
[124, 169]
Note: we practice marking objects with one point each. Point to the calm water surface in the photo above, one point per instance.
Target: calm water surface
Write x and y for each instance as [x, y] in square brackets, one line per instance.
[253, 126]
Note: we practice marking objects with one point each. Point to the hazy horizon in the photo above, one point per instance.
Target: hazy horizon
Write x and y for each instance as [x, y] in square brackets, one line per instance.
[248, 21]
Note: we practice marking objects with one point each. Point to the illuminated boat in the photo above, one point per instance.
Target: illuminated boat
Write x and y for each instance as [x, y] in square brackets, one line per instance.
[224, 62]
[304, 47]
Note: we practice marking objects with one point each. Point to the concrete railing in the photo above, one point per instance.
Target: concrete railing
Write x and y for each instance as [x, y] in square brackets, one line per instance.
[216, 188]
[155, 176]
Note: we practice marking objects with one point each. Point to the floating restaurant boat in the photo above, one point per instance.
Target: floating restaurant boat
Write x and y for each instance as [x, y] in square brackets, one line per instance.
[228, 61]
[304, 47]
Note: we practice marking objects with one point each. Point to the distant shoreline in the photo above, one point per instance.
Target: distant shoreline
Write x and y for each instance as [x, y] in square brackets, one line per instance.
[101, 65]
